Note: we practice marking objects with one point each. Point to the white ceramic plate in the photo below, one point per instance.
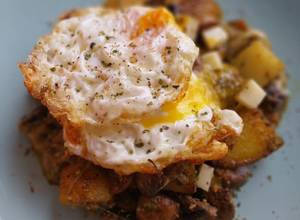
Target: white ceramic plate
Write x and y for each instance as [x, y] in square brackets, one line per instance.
[22, 22]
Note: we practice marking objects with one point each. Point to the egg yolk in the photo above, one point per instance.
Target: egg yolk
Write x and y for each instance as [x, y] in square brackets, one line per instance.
[153, 19]
[198, 95]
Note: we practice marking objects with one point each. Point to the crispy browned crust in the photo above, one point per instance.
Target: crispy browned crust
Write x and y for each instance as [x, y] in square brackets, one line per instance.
[85, 185]
[210, 147]
[33, 84]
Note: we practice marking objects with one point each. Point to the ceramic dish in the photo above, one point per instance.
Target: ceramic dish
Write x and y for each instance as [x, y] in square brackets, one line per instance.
[273, 192]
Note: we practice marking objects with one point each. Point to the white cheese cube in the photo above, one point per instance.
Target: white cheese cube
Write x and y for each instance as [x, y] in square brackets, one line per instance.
[205, 176]
[251, 95]
[213, 60]
[215, 37]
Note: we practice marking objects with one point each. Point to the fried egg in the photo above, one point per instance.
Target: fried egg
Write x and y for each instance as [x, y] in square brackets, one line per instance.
[190, 129]
[121, 84]
[111, 64]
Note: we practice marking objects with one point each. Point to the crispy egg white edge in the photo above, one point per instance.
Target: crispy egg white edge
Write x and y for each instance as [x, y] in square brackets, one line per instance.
[132, 143]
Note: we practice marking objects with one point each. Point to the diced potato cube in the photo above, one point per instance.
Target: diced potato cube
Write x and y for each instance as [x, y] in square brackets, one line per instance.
[215, 37]
[205, 176]
[83, 184]
[257, 61]
[251, 95]
[213, 60]
[188, 24]
[258, 140]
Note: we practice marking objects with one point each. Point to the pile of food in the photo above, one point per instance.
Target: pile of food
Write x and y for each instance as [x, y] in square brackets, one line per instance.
[153, 109]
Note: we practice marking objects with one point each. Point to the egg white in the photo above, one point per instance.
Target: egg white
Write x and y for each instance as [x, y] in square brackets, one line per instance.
[111, 64]
[121, 85]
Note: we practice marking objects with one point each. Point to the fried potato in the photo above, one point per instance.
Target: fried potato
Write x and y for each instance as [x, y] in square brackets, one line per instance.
[258, 62]
[83, 184]
[258, 140]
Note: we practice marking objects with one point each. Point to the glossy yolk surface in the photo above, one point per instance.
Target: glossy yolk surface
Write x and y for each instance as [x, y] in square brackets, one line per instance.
[154, 19]
[198, 95]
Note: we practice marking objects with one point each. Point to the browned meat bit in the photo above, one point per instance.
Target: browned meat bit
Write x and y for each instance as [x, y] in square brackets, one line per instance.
[233, 178]
[222, 199]
[108, 215]
[158, 208]
[205, 11]
[182, 177]
[274, 103]
[45, 135]
[118, 183]
[151, 184]
[83, 184]
[194, 205]
[239, 24]
[126, 202]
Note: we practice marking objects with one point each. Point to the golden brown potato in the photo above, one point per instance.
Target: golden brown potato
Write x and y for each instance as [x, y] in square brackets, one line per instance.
[83, 184]
[258, 140]
[258, 62]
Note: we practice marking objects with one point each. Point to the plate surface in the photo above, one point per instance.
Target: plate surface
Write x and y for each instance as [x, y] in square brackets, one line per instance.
[273, 192]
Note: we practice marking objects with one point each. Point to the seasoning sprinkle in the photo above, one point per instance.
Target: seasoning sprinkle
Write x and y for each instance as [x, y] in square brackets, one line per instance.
[87, 56]
[115, 51]
[139, 144]
[92, 45]
[106, 64]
